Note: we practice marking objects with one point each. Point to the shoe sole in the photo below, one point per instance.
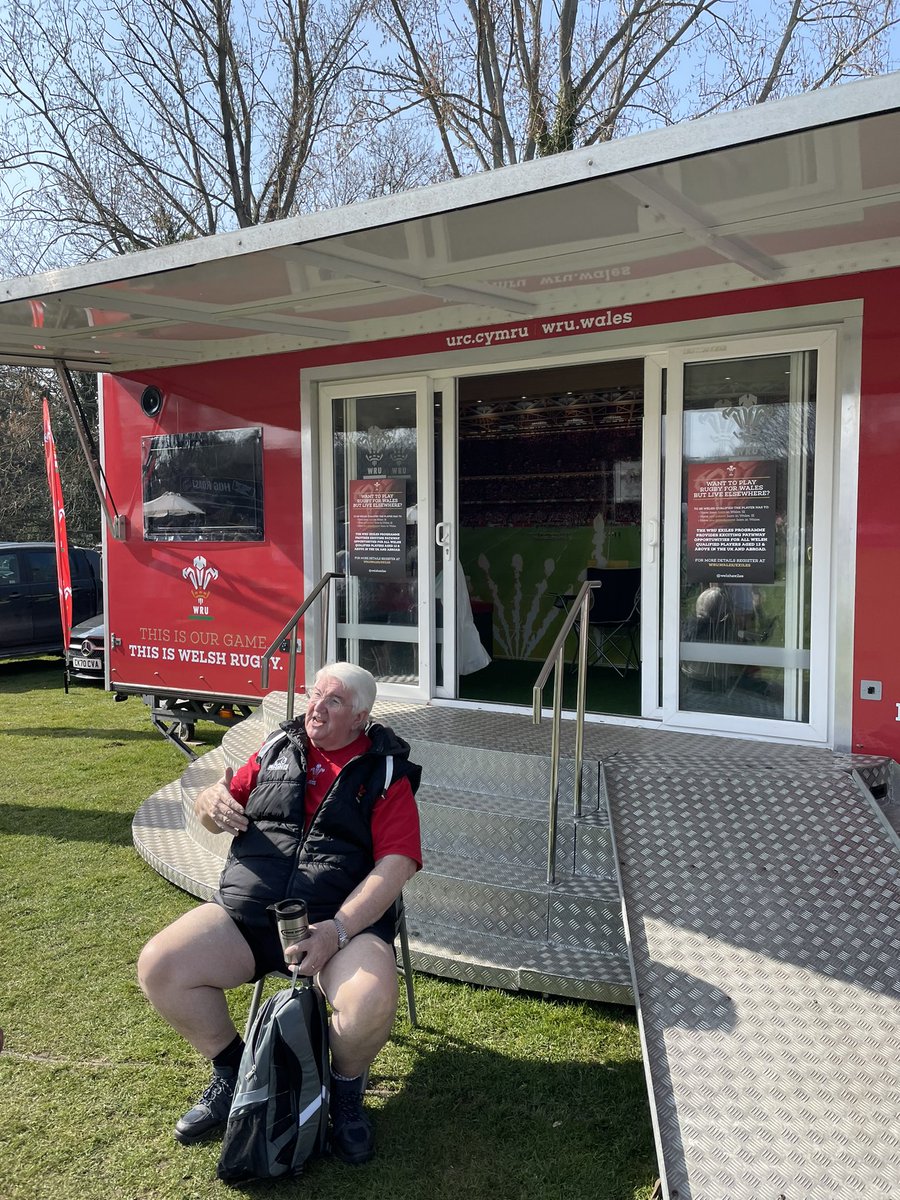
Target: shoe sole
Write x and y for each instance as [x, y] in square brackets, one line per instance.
[207, 1135]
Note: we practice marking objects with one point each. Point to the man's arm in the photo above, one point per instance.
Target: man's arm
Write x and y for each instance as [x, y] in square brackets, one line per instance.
[367, 902]
[377, 892]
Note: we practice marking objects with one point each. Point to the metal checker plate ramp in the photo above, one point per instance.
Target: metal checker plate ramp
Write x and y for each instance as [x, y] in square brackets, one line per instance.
[764, 923]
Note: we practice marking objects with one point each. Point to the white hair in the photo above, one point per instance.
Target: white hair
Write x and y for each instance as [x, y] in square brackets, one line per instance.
[712, 604]
[359, 682]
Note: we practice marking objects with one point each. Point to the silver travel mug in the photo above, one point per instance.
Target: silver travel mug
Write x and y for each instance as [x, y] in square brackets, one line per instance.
[293, 922]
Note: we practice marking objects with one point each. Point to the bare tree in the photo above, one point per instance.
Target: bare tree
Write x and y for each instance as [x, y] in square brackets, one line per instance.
[26, 511]
[135, 123]
[126, 124]
[502, 81]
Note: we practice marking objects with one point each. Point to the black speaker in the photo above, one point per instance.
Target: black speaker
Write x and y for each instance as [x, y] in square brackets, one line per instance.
[152, 401]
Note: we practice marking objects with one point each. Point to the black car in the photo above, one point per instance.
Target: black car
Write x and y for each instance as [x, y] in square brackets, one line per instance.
[29, 596]
[86, 656]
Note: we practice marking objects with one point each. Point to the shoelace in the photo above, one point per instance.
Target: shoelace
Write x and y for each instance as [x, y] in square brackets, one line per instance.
[348, 1105]
[218, 1086]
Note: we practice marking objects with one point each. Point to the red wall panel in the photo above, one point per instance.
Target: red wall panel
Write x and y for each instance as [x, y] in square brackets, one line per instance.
[163, 644]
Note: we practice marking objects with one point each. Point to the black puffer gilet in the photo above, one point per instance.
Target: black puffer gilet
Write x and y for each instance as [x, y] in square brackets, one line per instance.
[272, 859]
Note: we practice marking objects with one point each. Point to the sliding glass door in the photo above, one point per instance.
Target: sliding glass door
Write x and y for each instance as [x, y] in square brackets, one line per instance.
[377, 471]
[748, 535]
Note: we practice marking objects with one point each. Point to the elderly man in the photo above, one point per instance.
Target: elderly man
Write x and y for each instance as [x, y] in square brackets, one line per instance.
[324, 812]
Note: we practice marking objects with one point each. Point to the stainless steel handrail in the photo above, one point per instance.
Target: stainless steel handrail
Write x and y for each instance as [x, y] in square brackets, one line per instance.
[556, 662]
[290, 629]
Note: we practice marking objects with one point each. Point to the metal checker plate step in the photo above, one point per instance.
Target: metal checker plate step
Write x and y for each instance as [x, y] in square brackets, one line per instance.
[484, 836]
[514, 875]
[764, 924]
[526, 966]
[530, 808]
[159, 837]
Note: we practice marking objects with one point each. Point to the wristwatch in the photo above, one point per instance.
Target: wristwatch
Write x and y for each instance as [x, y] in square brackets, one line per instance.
[343, 935]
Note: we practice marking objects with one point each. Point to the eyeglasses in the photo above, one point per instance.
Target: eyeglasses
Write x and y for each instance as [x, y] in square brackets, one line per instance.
[335, 703]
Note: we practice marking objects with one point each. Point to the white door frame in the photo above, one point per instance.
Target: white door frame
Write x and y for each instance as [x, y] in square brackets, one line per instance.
[350, 391]
[446, 536]
[818, 326]
[817, 727]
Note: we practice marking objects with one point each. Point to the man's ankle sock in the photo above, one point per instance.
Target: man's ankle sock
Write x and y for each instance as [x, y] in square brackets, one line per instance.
[230, 1057]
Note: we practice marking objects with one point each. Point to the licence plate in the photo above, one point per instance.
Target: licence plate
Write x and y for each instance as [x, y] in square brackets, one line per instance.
[87, 664]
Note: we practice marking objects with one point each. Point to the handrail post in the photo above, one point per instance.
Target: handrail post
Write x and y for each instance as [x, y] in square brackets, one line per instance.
[292, 676]
[554, 763]
[556, 661]
[323, 633]
[290, 631]
[581, 696]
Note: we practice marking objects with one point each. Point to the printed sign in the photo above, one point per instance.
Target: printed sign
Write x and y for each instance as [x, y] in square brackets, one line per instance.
[731, 522]
[378, 528]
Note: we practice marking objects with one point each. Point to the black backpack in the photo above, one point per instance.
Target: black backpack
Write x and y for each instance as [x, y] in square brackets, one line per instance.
[279, 1115]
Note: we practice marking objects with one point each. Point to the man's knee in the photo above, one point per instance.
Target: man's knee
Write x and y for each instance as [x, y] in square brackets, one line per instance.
[374, 997]
[155, 966]
[368, 993]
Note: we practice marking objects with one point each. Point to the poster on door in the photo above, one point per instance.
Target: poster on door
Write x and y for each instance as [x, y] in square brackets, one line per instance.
[377, 528]
[731, 522]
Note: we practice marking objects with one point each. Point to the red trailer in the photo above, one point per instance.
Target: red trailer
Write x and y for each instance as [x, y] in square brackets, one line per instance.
[674, 354]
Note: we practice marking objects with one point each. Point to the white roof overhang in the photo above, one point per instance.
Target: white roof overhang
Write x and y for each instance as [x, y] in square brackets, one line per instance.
[795, 189]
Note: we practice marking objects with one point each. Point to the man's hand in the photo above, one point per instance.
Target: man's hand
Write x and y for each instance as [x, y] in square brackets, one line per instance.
[217, 809]
[313, 952]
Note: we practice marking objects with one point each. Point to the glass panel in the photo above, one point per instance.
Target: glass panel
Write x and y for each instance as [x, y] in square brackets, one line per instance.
[375, 499]
[42, 566]
[203, 487]
[549, 490]
[9, 569]
[746, 544]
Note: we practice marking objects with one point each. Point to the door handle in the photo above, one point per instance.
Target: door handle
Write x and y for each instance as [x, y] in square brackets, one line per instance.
[652, 540]
[442, 537]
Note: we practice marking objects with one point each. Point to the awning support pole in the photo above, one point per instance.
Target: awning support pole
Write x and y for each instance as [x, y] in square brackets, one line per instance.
[115, 521]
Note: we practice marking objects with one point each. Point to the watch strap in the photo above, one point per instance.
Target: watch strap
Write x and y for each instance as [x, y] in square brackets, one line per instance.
[343, 935]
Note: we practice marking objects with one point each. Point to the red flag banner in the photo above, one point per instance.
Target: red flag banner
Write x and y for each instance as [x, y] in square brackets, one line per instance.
[63, 573]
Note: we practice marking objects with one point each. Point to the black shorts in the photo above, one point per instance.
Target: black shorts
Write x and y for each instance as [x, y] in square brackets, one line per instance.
[265, 944]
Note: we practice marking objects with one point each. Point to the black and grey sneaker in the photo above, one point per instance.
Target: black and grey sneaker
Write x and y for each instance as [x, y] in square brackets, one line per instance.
[209, 1114]
[352, 1135]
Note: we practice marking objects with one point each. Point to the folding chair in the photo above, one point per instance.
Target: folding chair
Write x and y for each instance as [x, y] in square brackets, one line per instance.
[614, 617]
[406, 967]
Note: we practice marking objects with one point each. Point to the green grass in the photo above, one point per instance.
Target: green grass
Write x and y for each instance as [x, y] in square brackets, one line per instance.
[494, 1097]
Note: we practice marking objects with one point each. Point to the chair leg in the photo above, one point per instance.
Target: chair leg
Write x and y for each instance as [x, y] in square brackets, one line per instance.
[407, 970]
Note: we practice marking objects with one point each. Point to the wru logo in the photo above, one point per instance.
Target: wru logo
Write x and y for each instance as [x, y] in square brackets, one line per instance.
[200, 575]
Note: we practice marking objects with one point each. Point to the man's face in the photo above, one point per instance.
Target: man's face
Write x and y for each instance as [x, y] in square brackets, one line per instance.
[330, 720]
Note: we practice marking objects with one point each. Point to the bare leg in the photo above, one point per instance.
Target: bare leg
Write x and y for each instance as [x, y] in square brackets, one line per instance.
[184, 970]
[360, 983]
